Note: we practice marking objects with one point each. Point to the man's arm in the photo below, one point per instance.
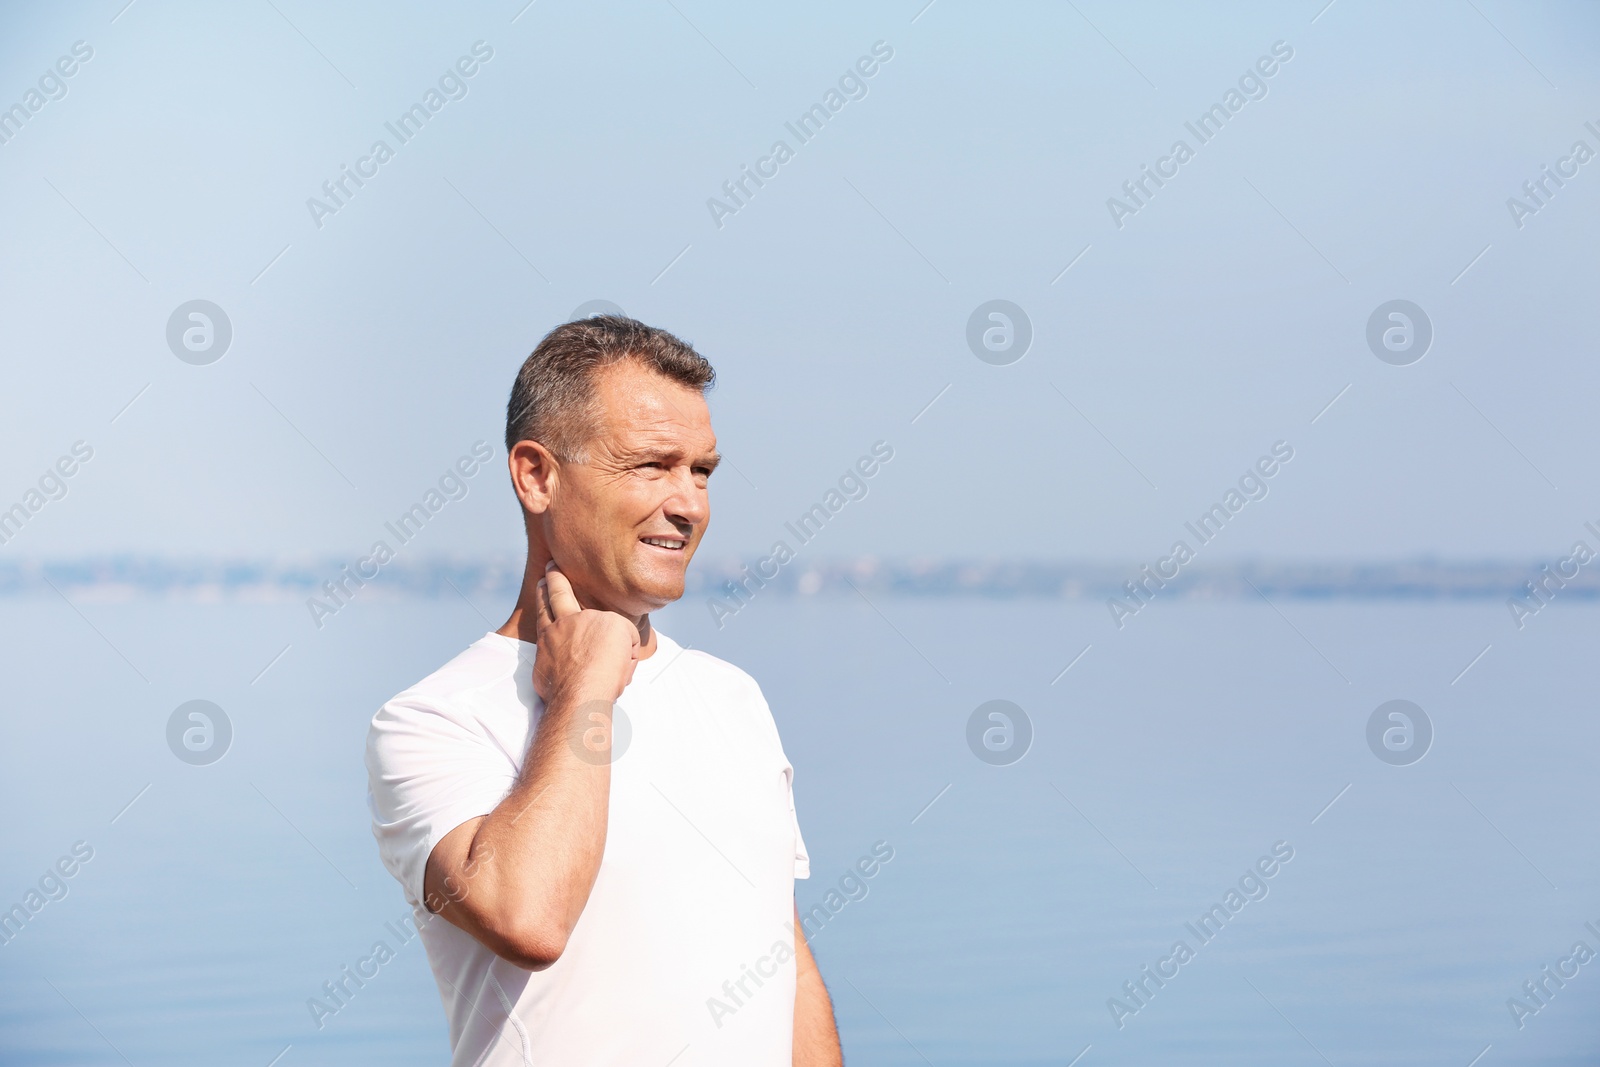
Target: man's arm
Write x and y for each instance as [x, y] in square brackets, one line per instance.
[816, 1035]
[518, 878]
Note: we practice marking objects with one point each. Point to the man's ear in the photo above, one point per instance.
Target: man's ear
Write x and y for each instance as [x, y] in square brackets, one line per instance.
[534, 475]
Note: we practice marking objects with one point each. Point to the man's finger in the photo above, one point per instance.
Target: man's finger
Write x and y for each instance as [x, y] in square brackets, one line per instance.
[559, 591]
[541, 610]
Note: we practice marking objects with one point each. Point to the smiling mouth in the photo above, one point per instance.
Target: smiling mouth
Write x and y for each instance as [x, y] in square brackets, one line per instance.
[672, 544]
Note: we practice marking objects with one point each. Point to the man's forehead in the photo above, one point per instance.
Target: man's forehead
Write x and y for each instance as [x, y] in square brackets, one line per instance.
[643, 409]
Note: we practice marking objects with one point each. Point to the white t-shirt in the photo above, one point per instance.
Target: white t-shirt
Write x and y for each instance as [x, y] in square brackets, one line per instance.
[694, 900]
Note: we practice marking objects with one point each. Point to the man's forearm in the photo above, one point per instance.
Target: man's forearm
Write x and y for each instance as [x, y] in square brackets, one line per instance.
[536, 856]
[816, 1034]
[552, 825]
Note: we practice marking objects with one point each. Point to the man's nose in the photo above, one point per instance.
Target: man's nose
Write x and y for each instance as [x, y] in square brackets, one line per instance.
[689, 503]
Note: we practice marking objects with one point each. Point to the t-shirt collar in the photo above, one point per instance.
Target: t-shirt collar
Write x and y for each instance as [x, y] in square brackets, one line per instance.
[648, 670]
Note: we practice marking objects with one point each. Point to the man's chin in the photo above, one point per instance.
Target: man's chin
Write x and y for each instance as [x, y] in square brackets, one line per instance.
[653, 595]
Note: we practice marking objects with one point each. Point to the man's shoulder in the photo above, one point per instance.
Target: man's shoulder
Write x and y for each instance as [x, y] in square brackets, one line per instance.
[731, 689]
[720, 682]
[487, 664]
[716, 671]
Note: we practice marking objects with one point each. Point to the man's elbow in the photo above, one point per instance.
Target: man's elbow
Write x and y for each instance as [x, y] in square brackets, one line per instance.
[523, 933]
[530, 943]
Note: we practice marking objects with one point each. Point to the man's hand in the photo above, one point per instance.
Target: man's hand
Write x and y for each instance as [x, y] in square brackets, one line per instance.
[518, 878]
[584, 654]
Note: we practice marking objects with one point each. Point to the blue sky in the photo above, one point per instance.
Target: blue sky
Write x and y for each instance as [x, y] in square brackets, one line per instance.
[371, 352]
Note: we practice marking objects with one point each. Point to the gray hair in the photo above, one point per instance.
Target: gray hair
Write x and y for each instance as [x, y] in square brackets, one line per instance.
[553, 399]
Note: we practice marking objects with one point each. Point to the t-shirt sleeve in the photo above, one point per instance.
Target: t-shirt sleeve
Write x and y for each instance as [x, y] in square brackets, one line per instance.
[429, 770]
[802, 858]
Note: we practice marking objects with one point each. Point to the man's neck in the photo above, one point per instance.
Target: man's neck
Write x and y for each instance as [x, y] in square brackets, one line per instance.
[521, 623]
[647, 635]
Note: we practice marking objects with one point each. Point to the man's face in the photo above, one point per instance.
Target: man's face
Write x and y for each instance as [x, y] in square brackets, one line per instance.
[624, 525]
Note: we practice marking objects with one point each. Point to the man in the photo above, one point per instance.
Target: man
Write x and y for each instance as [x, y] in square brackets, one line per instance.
[604, 819]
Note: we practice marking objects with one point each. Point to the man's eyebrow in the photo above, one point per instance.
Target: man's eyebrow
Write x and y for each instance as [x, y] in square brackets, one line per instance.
[710, 459]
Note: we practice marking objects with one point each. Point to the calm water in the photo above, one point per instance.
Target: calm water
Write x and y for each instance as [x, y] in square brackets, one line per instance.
[1163, 764]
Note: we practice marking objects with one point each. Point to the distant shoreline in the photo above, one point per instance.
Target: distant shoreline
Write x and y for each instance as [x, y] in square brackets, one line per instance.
[137, 577]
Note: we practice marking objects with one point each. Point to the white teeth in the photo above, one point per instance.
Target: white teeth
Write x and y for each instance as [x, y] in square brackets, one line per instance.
[662, 542]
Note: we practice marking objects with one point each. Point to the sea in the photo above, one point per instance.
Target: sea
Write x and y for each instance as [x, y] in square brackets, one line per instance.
[1370, 824]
